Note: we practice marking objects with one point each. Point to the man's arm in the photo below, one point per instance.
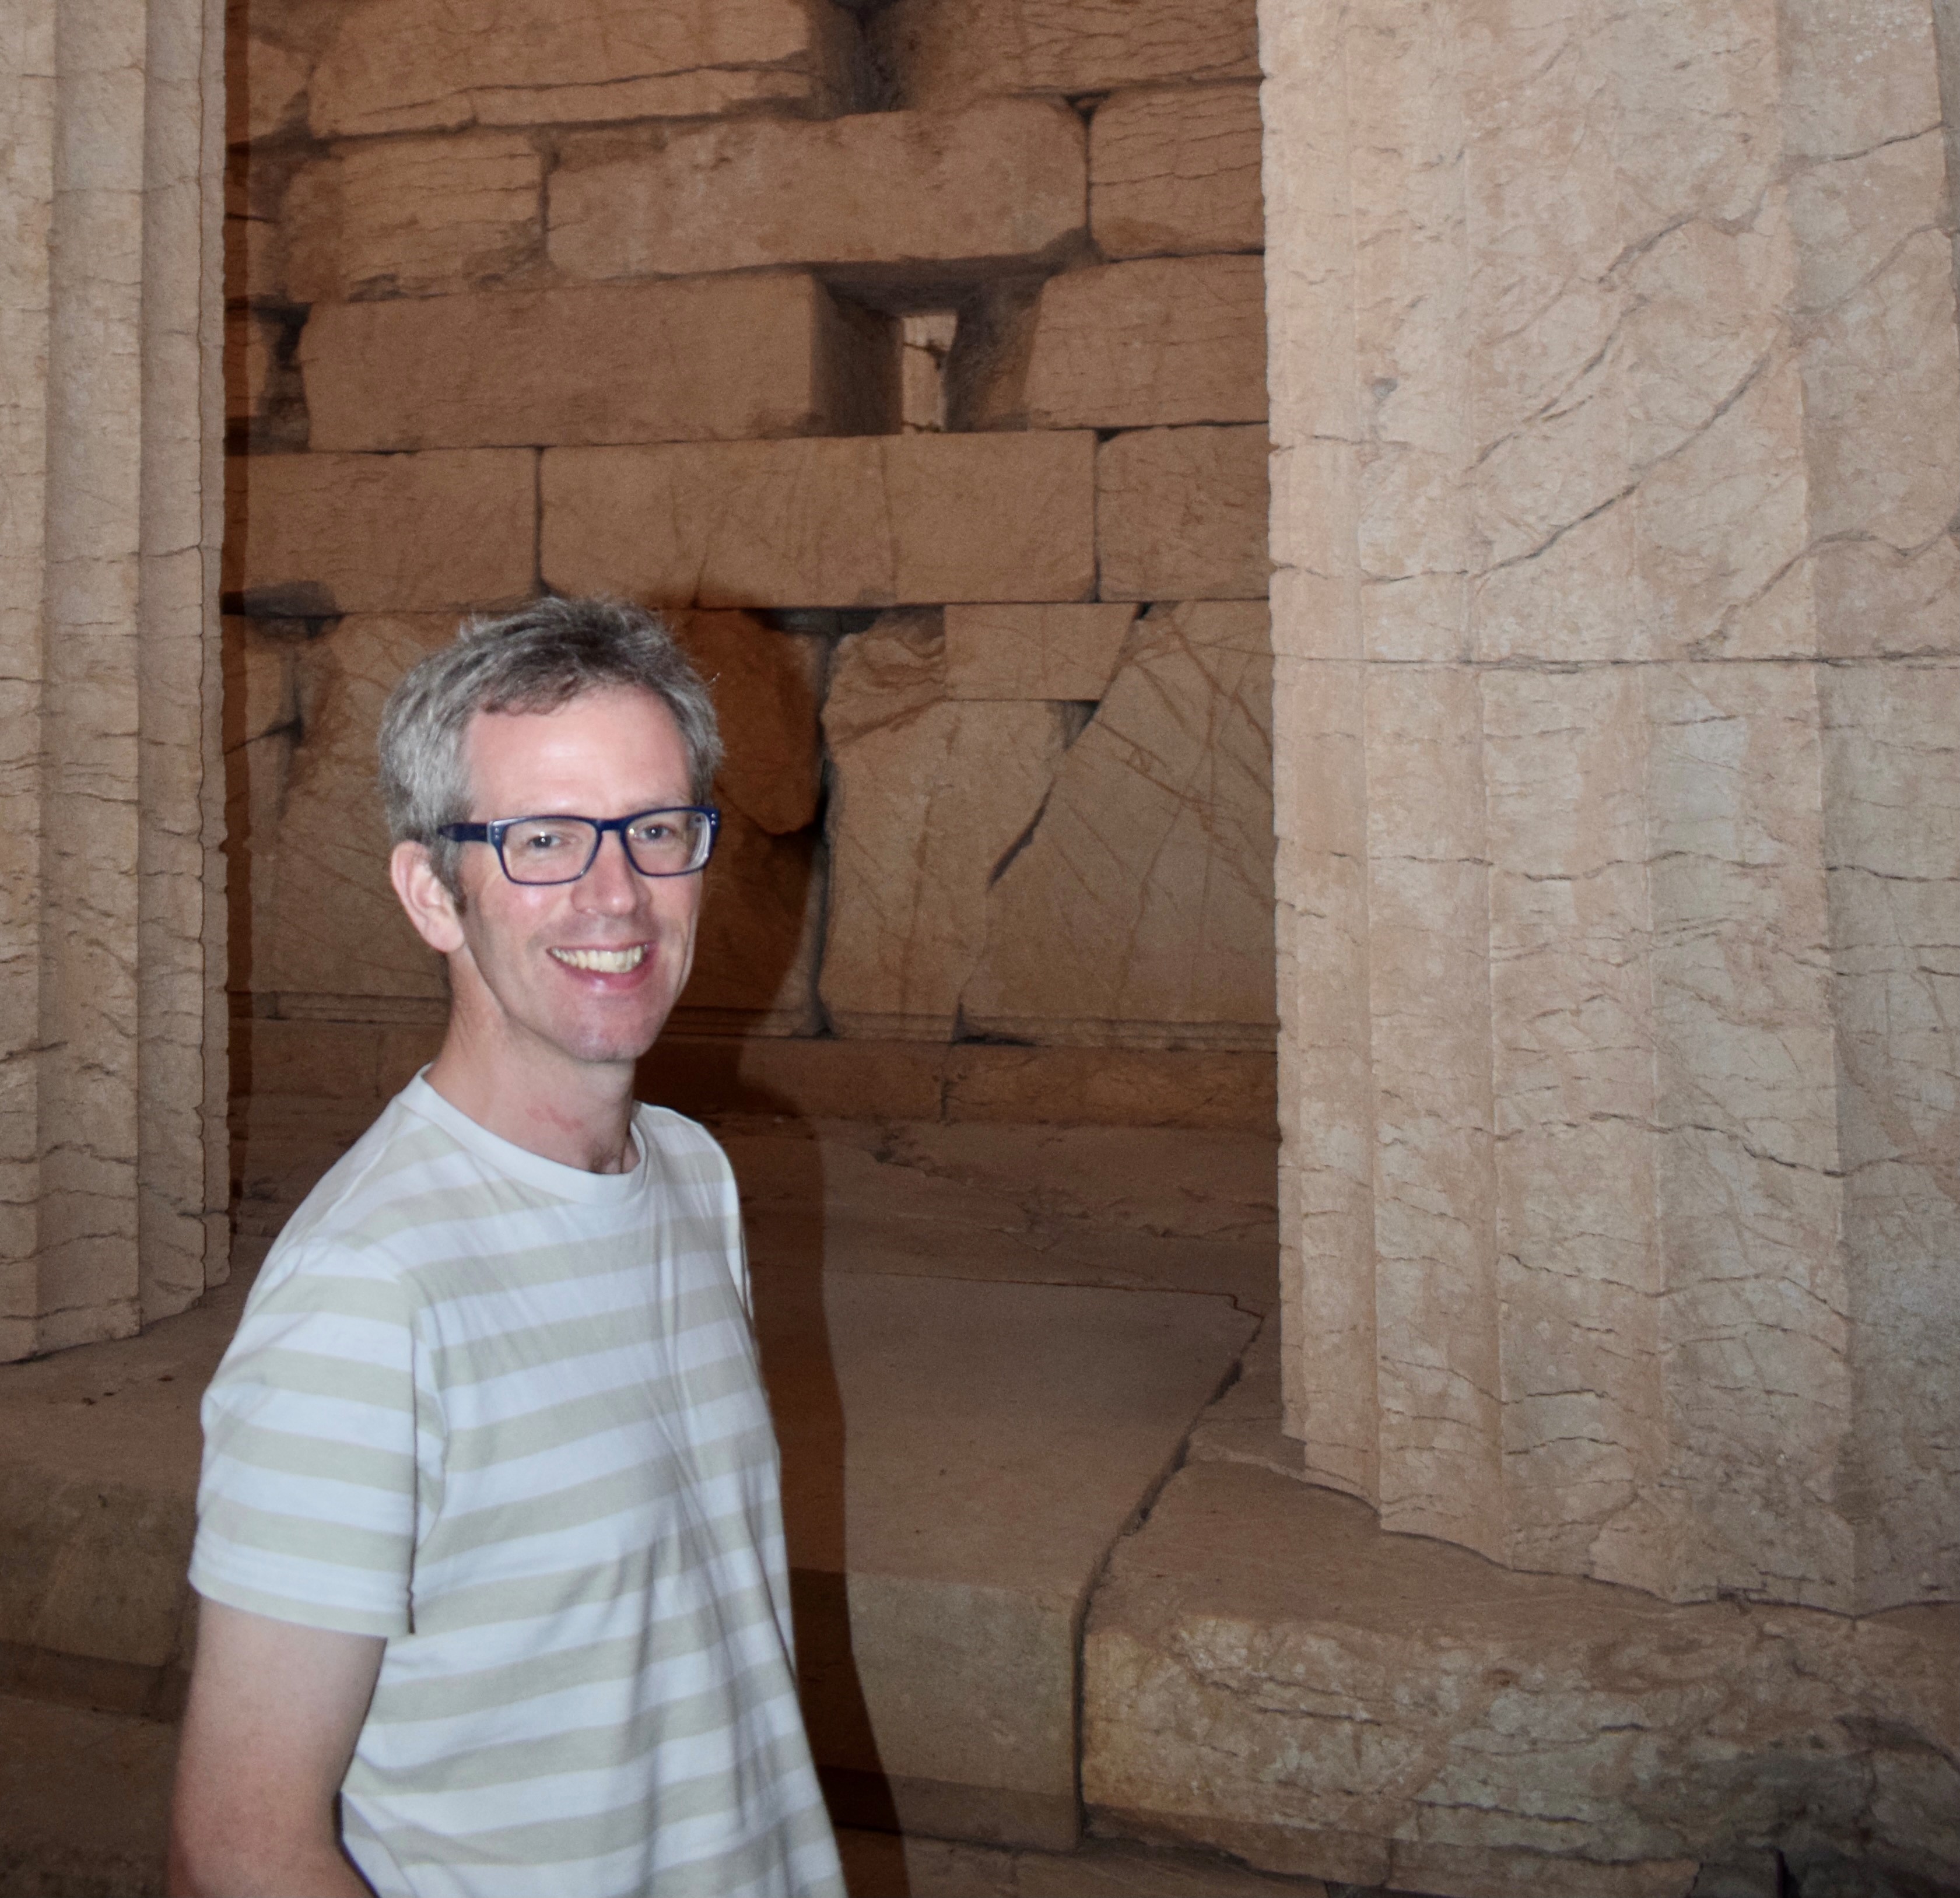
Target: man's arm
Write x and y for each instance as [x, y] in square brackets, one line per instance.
[275, 1711]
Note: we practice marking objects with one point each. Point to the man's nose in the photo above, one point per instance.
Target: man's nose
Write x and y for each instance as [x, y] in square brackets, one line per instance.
[612, 885]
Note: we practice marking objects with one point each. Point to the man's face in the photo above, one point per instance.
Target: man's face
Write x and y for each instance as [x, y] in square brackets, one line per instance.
[584, 972]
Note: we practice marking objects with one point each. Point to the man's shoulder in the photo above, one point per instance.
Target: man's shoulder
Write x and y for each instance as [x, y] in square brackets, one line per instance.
[678, 1143]
[381, 1184]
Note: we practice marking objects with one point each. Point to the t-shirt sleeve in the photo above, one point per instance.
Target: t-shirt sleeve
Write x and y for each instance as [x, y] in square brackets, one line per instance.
[306, 1507]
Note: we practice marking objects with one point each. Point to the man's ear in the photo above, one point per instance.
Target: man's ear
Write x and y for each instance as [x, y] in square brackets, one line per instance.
[430, 906]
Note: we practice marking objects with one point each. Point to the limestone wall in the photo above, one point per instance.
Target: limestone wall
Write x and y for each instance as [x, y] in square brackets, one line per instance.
[1617, 403]
[112, 1173]
[918, 358]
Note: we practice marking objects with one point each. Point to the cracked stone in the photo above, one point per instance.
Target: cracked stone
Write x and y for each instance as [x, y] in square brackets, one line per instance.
[1176, 169]
[1158, 341]
[1034, 651]
[1140, 908]
[930, 793]
[1181, 514]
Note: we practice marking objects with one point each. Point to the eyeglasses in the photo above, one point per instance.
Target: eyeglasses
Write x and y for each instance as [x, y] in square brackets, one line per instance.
[675, 841]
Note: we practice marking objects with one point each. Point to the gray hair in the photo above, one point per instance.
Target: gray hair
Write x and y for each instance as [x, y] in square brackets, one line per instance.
[535, 660]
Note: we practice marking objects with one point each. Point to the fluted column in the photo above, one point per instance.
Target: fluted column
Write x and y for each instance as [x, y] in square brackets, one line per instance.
[111, 1023]
[1616, 399]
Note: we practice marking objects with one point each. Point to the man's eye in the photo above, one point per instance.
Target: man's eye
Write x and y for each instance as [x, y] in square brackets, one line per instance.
[654, 831]
[541, 843]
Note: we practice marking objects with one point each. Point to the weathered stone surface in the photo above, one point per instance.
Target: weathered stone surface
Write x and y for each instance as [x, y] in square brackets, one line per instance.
[331, 924]
[1005, 180]
[316, 534]
[930, 794]
[411, 217]
[768, 686]
[1181, 514]
[1139, 908]
[1034, 651]
[715, 359]
[1163, 340]
[871, 521]
[397, 67]
[1176, 170]
[946, 51]
[1267, 1673]
[755, 959]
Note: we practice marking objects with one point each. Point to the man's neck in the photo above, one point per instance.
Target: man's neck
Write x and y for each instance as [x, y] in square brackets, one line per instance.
[583, 1119]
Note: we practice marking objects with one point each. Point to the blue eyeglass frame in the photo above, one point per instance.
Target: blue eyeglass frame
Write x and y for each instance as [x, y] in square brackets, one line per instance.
[493, 833]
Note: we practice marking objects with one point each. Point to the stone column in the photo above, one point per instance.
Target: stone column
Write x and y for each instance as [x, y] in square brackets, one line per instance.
[113, 1169]
[1616, 408]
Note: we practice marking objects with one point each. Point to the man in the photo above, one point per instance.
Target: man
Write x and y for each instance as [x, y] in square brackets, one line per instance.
[494, 1592]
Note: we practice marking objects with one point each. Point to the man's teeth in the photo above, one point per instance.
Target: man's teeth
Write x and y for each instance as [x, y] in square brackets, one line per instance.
[604, 961]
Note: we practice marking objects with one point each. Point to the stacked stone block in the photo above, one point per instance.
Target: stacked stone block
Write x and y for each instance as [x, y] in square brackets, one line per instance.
[601, 298]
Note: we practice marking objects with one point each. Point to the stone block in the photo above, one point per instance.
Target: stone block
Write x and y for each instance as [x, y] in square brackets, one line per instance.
[755, 956]
[1176, 171]
[1160, 341]
[411, 217]
[402, 65]
[322, 534]
[1138, 906]
[767, 687]
[1034, 651]
[947, 52]
[1004, 181]
[713, 359]
[1267, 1673]
[929, 796]
[1181, 514]
[871, 521]
[332, 925]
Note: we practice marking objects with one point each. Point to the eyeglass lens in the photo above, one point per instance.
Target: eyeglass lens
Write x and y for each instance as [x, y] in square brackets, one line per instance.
[559, 850]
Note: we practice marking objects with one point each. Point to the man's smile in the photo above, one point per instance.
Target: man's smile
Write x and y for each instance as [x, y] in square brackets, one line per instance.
[604, 961]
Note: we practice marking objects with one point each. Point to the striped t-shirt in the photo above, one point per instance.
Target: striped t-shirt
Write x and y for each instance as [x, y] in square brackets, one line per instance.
[507, 1414]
